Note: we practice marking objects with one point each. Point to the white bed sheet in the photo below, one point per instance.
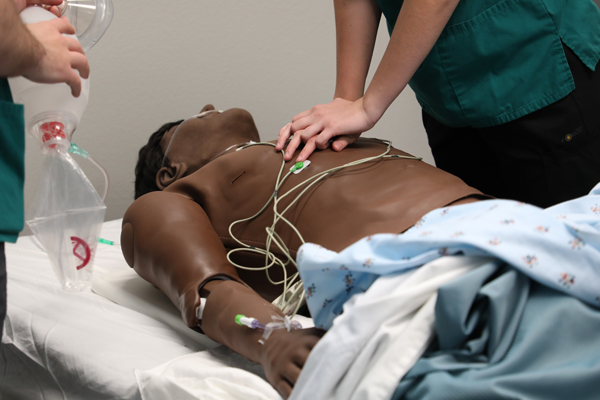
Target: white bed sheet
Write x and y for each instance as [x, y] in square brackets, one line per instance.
[126, 288]
[62, 345]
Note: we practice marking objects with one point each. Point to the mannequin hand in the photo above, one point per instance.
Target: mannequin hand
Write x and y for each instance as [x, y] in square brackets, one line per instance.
[21, 4]
[284, 357]
[62, 55]
[315, 127]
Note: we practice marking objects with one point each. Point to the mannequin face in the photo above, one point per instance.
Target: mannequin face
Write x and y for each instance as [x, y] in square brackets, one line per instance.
[197, 140]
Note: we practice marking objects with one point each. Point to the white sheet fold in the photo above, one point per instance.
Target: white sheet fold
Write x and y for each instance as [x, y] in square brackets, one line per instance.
[380, 335]
[215, 374]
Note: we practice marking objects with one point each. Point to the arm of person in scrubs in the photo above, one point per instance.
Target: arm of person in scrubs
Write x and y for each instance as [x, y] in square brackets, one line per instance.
[419, 25]
[39, 51]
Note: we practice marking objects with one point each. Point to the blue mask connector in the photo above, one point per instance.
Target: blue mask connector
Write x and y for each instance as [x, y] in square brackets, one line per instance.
[79, 151]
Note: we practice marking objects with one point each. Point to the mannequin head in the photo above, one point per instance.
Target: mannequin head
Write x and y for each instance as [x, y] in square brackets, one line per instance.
[181, 148]
[150, 160]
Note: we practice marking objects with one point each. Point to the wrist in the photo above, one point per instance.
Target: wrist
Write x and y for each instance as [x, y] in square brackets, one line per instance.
[265, 355]
[350, 95]
[349, 89]
[225, 300]
[32, 58]
[372, 110]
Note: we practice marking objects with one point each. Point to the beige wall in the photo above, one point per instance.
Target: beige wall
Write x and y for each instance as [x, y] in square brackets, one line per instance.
[162, 61]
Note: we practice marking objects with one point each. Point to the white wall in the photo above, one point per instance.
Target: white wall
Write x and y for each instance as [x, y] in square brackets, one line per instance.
[162, 61]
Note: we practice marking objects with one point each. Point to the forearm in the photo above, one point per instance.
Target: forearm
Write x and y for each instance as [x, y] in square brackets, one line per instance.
[356, 24]
[225, 300]
[417, 29]
[282, 355]
[19, 50]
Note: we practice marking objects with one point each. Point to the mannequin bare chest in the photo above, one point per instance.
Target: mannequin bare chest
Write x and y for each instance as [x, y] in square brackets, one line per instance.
[382, 196]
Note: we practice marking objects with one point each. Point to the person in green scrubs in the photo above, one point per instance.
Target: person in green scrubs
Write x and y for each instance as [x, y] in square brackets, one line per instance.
[41, 53]
[509, 90]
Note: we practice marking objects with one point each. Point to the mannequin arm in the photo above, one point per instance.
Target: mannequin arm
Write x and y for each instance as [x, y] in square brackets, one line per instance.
[169, 241]
[283, 354]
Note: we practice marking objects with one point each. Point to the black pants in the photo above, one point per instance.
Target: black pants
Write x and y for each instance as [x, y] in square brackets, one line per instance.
[2, 287]
[543, 158]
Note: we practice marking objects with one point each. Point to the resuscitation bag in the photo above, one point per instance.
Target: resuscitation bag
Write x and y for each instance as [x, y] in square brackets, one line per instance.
[67, 213]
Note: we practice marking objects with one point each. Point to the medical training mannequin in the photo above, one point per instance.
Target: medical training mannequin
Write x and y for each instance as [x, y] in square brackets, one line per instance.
[176, 237]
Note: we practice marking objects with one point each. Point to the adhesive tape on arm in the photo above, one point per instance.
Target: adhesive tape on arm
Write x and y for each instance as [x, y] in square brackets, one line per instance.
[200, 308]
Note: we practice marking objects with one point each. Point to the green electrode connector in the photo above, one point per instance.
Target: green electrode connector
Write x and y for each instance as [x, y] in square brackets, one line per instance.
[108, 242]
[297, 166]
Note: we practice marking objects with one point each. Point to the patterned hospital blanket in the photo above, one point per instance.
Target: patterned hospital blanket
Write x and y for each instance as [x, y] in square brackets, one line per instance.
[558, 247]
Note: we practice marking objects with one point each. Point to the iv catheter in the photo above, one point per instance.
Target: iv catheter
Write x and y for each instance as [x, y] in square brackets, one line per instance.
[251, 323]
[293, 295]
[278, 323]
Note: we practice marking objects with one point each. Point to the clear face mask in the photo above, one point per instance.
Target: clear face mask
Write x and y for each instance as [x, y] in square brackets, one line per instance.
[91, 18]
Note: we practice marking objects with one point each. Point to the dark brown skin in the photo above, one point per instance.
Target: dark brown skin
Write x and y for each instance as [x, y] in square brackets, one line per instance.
[198, 140]
[283, 354]
[177, 239]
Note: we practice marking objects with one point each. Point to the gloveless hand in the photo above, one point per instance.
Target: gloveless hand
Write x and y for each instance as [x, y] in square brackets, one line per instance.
[62, 55]
[345, 120]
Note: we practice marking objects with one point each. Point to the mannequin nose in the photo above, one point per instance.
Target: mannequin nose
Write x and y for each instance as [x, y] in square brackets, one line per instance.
[207, 107]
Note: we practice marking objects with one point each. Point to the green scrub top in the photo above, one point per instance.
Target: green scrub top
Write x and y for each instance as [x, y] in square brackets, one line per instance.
[12, 165]
[498, 60]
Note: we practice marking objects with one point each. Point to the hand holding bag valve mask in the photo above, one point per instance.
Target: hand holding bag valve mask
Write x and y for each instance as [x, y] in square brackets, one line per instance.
[67, 213]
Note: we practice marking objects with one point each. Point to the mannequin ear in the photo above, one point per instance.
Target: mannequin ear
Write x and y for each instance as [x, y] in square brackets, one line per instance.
[169, 174]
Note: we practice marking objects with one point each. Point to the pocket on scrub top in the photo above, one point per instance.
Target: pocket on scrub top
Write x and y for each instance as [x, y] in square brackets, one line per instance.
[506, 62]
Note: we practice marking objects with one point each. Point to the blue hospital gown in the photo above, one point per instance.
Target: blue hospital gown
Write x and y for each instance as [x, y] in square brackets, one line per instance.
[558, 247]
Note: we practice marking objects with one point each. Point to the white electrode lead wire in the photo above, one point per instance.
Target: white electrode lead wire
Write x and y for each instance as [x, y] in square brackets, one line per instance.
[272, 236]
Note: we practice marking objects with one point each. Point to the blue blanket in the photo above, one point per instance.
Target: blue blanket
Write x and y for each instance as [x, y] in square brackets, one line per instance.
[502, 335]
